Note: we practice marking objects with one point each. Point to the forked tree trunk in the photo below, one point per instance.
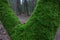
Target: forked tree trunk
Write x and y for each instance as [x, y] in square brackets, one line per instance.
[42, 25]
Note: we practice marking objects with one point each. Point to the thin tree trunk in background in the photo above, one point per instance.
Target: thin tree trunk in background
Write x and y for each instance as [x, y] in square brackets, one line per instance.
[25, 7]
[31, 5]
[13, 4]
[18, 7]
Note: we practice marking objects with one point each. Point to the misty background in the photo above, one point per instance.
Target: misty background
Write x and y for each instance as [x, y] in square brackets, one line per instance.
[25, 7]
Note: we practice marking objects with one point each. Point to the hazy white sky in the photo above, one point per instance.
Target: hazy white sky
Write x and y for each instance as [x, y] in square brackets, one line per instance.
[21, 1]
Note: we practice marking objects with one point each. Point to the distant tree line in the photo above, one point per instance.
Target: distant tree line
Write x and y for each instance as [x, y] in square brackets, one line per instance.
[26, 7]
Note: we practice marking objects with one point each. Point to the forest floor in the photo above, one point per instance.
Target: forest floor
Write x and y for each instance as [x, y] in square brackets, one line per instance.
[3, 33]
[23, 19]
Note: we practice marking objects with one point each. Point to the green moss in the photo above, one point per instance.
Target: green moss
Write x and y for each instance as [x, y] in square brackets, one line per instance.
[7, 17]
[42, 25]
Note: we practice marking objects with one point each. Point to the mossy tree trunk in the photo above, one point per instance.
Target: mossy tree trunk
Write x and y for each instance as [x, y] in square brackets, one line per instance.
[42, 25]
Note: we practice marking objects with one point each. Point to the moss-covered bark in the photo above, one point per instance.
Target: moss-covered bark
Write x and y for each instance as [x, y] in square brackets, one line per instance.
[42, 25]
[7, 17]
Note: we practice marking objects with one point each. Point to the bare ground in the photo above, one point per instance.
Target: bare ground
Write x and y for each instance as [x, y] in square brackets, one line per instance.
[3, 33]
